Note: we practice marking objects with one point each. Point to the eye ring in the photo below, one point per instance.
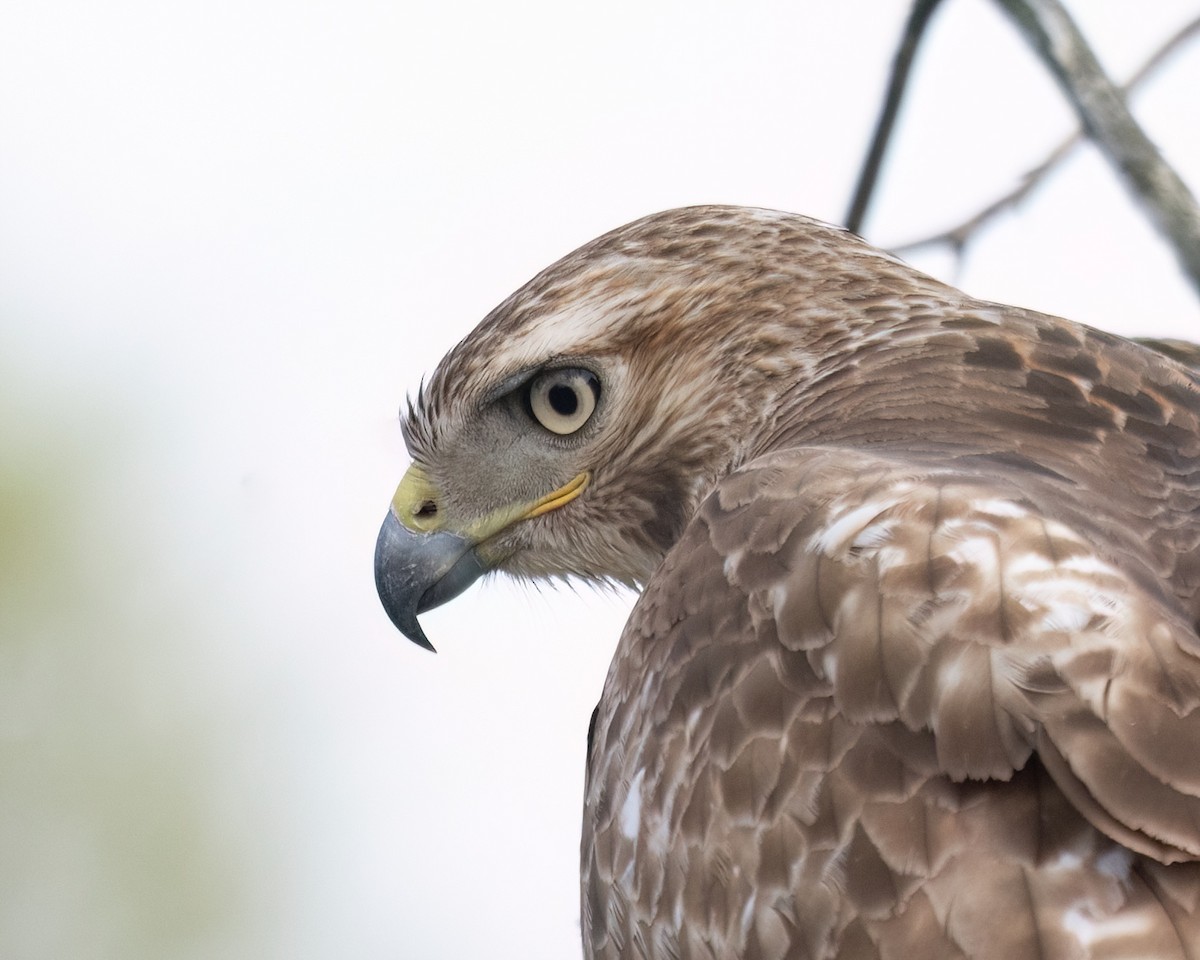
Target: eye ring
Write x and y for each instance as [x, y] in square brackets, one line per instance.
[563, 400]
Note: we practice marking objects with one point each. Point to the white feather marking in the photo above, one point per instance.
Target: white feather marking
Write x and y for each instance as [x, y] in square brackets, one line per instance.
[1089, 929]
[999, 508]
[1115, 862]
[748, 913]
[1087, 563]
[952, 674]
[1057, 530]
[660, 836]
[1079, 925]
[1072, 602]
[832, 538]
[631, 809]
[889, 557]
[829, 665]
[1067, 860]
[731, 563]
[1066, 616]
[1027, 563]
[555, 334]
[874, 535]
[779, 597]
[978, 551]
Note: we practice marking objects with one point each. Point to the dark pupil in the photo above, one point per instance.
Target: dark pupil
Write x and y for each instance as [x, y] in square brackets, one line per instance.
[563, 400]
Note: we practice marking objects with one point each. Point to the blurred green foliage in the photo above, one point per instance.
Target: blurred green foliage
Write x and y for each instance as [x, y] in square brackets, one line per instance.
[121, 834]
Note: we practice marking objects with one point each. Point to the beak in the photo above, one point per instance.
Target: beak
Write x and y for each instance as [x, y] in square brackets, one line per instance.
[415, 572]
[421, 562]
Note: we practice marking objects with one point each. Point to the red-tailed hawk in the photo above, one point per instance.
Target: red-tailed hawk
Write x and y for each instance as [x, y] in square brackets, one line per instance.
[915, 670]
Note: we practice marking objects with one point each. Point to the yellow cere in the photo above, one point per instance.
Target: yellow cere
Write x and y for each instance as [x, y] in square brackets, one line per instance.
[415, 491]
[417, 505]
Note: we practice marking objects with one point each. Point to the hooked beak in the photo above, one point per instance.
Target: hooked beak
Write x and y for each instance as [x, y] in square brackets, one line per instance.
[421, 562]
[415, 572]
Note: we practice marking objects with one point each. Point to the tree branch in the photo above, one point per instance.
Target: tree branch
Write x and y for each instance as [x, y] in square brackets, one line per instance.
[1107, 120]
[914, 30]
[958, 236]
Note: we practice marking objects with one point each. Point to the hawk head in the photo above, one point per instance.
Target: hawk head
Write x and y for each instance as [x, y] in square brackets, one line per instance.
[575, 431]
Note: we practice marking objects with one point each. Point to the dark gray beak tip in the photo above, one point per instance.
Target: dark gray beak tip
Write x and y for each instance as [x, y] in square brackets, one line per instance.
[416, 635]
[402, 615]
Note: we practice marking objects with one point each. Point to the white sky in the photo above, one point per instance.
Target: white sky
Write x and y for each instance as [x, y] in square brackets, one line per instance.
[232, 236]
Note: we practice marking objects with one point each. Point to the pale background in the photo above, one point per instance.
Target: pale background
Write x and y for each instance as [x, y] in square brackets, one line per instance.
[232, 236]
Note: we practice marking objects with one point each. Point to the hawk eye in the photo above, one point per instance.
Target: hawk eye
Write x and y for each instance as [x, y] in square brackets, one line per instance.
[563, 400]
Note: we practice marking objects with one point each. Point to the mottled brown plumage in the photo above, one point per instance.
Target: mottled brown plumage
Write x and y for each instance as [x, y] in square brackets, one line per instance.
[915, 672]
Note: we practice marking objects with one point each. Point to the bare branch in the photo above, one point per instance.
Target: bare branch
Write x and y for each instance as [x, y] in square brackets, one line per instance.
[914, 30]
[1161, 55]
[958, 236]
[1106, 118]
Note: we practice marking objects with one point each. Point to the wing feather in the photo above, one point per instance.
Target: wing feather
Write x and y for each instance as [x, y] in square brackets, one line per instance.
[960, 605]
[899, 700]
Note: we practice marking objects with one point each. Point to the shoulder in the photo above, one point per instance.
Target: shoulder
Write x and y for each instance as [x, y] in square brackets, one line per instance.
[973, 602]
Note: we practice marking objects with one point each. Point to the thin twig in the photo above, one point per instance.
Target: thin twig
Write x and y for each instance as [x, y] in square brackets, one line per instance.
[958, 236]
[1106, 118]
[914, 30]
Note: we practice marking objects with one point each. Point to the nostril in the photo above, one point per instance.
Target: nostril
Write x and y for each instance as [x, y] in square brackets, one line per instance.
[427, 509]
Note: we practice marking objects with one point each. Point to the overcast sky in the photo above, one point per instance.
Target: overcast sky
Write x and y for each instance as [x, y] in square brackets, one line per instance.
[232, 237]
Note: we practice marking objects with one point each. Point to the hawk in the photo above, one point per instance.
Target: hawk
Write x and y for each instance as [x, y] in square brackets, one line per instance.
[915, 670]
